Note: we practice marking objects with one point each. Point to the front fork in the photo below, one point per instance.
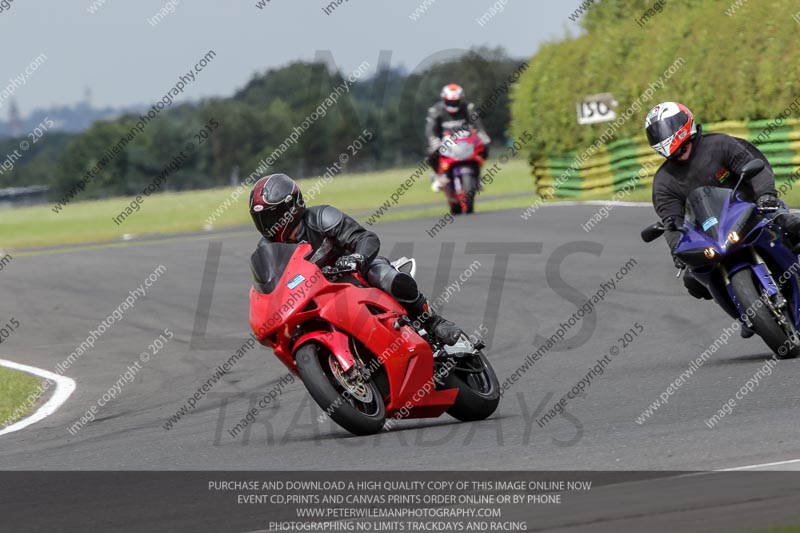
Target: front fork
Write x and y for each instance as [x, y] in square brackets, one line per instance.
[776, 301]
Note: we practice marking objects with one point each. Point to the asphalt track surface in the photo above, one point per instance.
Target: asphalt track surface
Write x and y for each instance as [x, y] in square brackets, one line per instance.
[60, 295]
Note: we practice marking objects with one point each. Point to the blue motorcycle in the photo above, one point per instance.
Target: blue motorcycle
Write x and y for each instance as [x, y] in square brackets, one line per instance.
[739, 254]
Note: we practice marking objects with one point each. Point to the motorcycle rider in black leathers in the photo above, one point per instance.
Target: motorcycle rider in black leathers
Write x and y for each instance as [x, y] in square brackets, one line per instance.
[280, 215]
[695, 160]
[452, 113]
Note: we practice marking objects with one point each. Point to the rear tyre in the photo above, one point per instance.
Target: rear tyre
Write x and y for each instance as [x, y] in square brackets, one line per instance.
[361, 412]
[478, 389]
[470, 184]
[765, 323]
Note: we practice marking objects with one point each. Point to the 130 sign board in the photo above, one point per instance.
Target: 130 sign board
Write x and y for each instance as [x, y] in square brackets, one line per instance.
[597, 108]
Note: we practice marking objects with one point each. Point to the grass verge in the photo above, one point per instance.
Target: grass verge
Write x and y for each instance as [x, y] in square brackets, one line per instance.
[15, 387]
[357, 194]
[787, 529]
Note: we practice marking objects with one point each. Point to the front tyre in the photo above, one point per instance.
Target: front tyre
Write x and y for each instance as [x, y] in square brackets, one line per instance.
[478, 389]
[354, 404]
[764, 321]
[453, 197]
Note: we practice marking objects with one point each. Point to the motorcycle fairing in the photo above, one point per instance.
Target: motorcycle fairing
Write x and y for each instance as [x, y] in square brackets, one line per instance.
[711, 220]
[367, 314]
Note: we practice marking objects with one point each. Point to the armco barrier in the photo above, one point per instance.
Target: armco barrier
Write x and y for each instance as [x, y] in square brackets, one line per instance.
[616, 163]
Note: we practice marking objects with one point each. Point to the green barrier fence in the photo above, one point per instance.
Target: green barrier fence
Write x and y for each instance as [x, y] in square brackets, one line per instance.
[627, 162]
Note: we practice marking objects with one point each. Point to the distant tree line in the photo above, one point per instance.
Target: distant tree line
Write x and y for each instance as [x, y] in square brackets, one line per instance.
[392, 104]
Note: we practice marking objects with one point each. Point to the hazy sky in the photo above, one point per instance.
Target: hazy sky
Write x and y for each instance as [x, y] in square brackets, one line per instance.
[126, 60]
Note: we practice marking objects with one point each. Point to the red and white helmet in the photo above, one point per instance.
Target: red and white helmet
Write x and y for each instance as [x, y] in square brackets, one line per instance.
[669, 125]
[452, 95]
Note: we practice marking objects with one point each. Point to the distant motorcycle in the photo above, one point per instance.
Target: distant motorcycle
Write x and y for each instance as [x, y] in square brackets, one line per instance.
[354, 348]
[460, 162]
[743, 260]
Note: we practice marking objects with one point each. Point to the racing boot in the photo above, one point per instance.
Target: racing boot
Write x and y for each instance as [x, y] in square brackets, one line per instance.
[444, 330]
[746, 331]
[437, 182]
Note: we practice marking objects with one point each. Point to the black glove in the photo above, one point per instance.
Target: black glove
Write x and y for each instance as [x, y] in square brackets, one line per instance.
[679, 264]
[767, 203]
[351, 262]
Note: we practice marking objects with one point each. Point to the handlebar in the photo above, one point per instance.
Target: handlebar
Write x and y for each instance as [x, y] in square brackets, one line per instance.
[329, 271]
[766, 210]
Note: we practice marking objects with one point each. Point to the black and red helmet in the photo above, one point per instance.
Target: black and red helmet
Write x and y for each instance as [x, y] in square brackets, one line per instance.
[669, 126]
[277, 206]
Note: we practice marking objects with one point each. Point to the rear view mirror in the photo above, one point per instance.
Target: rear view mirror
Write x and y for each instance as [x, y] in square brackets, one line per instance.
[752, 168]
[652, 232]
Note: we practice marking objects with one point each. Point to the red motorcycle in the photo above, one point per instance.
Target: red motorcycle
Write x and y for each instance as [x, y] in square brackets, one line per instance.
[354, 348]
[460, 162]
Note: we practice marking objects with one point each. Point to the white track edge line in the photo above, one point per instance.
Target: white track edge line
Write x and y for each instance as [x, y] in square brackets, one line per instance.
[570, 203]
[750, 467]
[578, 203]
[64, 388]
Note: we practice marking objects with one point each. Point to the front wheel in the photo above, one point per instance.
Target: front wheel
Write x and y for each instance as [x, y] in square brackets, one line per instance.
[353, 403]
[454, 198]
[478, 389]
[470, 183]
[765, 322]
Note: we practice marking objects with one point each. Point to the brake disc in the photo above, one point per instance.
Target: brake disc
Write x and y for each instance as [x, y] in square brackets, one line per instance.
[352, 383]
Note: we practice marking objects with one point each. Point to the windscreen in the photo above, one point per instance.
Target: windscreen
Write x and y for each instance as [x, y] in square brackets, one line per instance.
[704, 208]
[268, 264]
[462, 150]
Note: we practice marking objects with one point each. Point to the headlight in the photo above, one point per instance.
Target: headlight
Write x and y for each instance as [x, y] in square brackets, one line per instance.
[710, 253]
[733, 237]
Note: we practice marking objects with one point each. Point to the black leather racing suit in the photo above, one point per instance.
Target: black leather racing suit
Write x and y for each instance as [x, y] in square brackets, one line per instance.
[716, 160]
[440, 120]
[333, 234]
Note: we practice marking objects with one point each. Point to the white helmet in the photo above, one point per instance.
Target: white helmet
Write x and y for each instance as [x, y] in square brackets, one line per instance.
[452, 95]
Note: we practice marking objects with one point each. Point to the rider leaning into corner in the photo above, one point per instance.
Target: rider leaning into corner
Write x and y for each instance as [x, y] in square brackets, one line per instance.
[693, 160]
[280, 215]
[452, 113]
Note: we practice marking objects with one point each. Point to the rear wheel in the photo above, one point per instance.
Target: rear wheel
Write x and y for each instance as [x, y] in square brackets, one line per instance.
[352, 402]
[767, 320]
[478, 389]
[470, 183]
